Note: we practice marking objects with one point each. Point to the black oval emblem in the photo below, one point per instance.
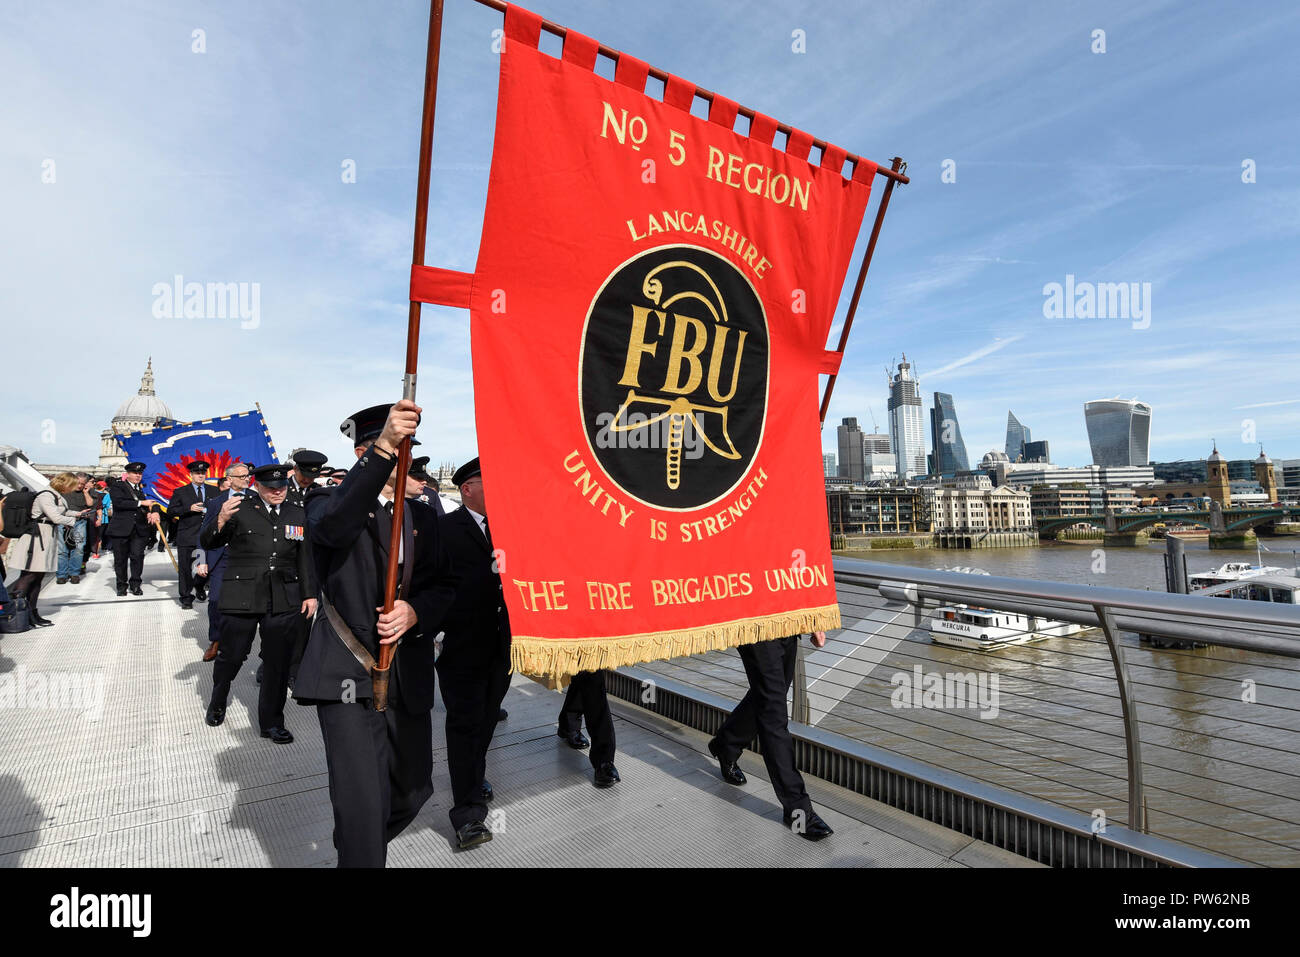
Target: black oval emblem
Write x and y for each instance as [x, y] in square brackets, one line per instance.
[673, 376]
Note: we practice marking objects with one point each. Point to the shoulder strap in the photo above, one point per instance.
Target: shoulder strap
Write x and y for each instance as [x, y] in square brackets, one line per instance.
[359, 652]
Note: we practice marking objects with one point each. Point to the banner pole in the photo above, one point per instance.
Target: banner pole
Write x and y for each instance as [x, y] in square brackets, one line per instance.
[897, 168]
[380, 676]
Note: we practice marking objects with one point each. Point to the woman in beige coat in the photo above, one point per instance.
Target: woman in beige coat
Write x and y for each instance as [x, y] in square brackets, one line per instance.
[36, 552]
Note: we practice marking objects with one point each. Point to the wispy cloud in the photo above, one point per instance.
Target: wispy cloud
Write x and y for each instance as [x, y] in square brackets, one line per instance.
[980, 353]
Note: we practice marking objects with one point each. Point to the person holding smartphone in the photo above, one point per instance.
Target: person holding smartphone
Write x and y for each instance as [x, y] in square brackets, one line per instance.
[212, 561]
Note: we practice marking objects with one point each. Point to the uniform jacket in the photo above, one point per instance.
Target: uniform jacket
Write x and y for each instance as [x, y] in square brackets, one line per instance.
[268, 559]
[37, 551]
[215, 557]
[350, 539]
[128, 516]
[477, 626]
[184, 524]
[431, 498]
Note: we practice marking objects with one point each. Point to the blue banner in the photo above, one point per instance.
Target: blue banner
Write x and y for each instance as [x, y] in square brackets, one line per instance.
[221, 442]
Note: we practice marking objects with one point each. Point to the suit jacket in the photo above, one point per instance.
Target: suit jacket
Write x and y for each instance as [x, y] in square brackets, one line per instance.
[128, 516]
[215, 557]
[350, 540]
[268, 559]
[477, 626]
[297, 493]
[184, 524]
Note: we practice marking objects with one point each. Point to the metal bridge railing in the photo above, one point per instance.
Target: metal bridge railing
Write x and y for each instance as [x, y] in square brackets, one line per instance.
[1091, 721]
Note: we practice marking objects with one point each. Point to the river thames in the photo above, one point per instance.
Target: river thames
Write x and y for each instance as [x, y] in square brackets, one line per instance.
[1220, 727]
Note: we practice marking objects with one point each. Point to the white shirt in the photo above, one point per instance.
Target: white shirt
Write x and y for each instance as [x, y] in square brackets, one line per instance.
[383, 504]
[481, 519]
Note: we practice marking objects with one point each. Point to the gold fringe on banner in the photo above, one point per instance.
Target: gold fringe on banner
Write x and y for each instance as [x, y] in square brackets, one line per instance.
[553, 661]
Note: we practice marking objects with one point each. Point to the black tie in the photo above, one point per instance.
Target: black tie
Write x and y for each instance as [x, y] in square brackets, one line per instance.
[487, 533]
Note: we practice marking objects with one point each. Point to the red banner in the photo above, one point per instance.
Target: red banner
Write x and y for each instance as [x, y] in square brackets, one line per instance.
[649, 316]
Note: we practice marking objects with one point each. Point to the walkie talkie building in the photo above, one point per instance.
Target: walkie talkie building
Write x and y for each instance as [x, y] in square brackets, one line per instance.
[1119, 431]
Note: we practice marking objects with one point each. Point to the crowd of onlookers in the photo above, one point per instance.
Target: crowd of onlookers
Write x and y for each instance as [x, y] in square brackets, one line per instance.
[70, 524]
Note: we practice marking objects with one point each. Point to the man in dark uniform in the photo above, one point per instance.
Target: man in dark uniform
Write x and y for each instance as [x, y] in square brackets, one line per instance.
[184, 518]
[586, 698]
[380, 763]
[769, 666]
[474, 666]
[269, 583]
[420, 489]
[214, 566]
[129, 528]
[307, 465]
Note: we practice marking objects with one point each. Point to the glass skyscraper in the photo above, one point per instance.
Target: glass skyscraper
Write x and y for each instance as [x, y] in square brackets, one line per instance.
[851, 461]
[1119, 431]
[945, 436]
[906, 433]
[1017, 436]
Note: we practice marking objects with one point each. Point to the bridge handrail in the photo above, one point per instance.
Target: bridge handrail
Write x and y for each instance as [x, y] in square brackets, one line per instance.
[1190, 609]
[1255, 626]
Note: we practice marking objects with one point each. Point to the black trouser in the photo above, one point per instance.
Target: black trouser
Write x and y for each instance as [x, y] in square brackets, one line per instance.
[380, 775]
[93, 533]
[769, 666]
[189, 580]
[131, 546]
[586, 698]
[215, 577]
[237, 632]
[299, 647]
[28, 585]
[473, 698]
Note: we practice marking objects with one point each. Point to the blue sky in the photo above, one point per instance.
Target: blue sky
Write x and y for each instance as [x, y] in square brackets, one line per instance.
[225, 166]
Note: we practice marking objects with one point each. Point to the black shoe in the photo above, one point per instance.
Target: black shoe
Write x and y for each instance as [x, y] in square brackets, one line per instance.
[187, 605]
[502, 714]
[60, 581]
[258, 676]
[137, 590]
[216, 714]
[38, 621]
[200, 596]
[76, 579]
[606, 775]
[807, 825]
[730, 771]
[577, 740]
[488, 793]
[472, 835]
[121, 591]
[278, 735]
